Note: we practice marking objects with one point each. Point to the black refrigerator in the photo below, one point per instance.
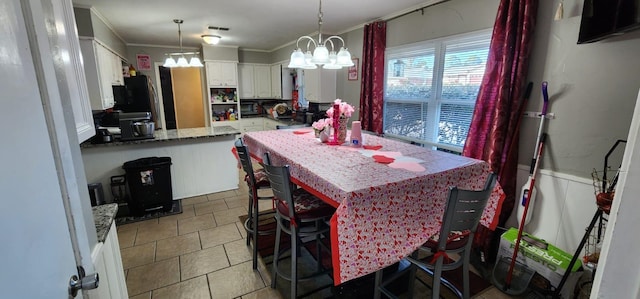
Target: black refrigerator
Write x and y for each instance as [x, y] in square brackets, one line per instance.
[138, 95]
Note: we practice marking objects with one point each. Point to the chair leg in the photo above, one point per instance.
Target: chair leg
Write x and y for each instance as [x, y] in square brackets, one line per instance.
[255, 233]
[437, 274]
[465, 275]
[294, 262]
[249, 213]
[276, 254]
[376, 285]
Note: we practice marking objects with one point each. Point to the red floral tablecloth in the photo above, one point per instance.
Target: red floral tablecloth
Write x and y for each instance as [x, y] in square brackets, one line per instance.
[384, 211]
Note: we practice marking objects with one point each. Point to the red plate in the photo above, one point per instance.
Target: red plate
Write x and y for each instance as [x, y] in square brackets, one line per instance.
[372, 147]
[383, 159]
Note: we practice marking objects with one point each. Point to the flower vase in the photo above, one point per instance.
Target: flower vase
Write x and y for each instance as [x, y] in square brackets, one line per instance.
[324, 136]
[342, 129]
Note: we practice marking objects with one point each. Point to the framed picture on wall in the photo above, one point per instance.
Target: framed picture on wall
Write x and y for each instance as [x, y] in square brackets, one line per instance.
[144, 62]
[352, 71]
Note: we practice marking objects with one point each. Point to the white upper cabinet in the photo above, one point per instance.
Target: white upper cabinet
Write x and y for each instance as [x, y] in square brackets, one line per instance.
[103, 69]
[255, 81]
[222, 74]
[262, 81]
[276, 81]
[245, 75]
[320, 85]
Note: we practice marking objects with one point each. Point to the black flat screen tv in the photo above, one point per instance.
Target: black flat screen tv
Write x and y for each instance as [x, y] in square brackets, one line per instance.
[605, 18]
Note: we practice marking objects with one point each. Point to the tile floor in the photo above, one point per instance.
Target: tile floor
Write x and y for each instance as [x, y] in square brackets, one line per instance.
[200, 253]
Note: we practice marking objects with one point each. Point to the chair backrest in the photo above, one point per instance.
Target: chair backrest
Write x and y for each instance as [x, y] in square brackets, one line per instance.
[280, 180]
[281, 127]
[245, 160]
[464, 209]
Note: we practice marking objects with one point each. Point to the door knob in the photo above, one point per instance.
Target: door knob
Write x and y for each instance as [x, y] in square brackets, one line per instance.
[82, 282]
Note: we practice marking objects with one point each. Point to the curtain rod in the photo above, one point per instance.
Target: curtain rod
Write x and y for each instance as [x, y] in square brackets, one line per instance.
[421, 9]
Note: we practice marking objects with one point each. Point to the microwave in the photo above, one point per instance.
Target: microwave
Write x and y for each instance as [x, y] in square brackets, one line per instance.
[248, 108]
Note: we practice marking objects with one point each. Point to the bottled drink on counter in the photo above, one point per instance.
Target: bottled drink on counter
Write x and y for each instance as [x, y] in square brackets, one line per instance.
[356, 133]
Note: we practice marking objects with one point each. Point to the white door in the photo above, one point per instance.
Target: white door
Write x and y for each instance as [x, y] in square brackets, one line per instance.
[40, 236]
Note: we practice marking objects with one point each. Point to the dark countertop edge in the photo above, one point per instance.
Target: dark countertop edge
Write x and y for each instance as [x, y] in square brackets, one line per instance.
[103, 216]
[160, 136]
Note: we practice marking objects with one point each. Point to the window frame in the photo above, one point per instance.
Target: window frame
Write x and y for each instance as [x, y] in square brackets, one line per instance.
[437, 46]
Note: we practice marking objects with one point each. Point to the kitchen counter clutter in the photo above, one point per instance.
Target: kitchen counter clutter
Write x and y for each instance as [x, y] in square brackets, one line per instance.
[103, 216]
[170, 135]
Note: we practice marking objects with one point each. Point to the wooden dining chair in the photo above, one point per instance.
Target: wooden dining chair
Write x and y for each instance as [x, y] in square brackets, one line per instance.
[257, 182]
[300, 215]
[460, 221]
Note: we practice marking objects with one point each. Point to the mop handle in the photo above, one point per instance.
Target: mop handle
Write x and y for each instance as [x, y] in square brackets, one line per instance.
[545, 99]
[524, 213]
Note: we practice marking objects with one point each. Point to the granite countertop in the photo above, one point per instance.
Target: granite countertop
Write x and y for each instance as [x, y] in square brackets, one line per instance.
[178, 134]
[103, 215]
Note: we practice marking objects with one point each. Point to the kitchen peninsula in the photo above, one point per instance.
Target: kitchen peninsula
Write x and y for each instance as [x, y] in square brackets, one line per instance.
[201, 159]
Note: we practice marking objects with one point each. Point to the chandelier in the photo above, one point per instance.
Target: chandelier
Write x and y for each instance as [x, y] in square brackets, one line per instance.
[182, 60]
[329, 59]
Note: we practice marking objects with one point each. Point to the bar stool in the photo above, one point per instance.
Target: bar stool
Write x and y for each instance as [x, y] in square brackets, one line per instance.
[459, 223]
[300, 215]
[256, 180]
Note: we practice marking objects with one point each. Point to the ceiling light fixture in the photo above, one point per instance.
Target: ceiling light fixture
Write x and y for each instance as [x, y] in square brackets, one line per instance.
[321, 55]
[211, 39]
[182, 60]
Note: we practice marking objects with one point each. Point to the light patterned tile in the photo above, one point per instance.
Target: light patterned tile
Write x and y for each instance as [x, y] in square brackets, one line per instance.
[219, 235]
[234, 202]
[229, 216]
[127, 237]
[209, 207]
[176, 246]
[221, 195]
[187, 212]
[264, 293]
[194, 200]
[156, 231]
[153, 276]
[202, 262]
[238, 251]
[146, 295]
[195, 224]
[239, 279]
[138, 255]
[196, 288]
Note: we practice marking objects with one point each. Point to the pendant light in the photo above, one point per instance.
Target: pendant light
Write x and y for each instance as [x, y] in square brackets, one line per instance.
[182, 60]
[322, 55]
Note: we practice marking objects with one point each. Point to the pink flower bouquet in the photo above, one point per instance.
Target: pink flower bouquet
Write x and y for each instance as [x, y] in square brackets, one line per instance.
[345, 109]
[321, 124]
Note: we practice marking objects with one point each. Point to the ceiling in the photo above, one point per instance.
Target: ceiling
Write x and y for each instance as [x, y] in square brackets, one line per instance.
[254, 24]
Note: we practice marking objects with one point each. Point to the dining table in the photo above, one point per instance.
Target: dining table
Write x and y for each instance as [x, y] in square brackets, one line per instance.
[389, 195]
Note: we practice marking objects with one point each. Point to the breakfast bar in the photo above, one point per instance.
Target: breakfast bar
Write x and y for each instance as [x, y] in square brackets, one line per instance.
[200, 157]
[390, 196]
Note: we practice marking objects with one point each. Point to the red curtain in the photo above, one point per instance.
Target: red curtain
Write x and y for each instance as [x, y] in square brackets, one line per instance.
[493, 134]
[371, 89]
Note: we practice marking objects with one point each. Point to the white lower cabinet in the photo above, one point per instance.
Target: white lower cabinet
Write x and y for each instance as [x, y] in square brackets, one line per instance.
[108, 263]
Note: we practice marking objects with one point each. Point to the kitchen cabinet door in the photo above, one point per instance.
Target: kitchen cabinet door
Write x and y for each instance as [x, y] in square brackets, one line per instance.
[98, 68]
[245, 75]
[320, 85]
[276, 81]
[262, 81]
[222, 74]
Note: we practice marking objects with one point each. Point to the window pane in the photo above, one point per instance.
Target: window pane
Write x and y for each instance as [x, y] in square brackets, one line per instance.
[406, 119]
[409, 77]
[464, 66]
[454, 122]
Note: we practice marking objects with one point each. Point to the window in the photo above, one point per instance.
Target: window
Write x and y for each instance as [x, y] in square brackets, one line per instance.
[431, 89]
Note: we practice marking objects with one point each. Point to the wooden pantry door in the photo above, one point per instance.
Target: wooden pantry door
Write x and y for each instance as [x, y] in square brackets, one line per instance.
[187, 97]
